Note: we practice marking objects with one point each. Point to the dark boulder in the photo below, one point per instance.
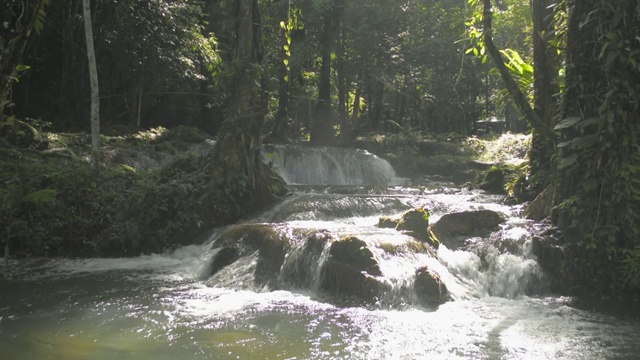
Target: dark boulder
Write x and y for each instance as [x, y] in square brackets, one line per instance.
[350, 271]
[356, 254]
[467, 223]
[271, 245]
[345, 281]
[430, 288]
[300, 269]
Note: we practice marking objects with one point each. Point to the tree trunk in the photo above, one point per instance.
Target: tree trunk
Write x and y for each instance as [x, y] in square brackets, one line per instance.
[281, 131]
[322, 128]
[546, 87]
[342, 86]
[93, 78]
[238, 171]
[598, 196]
[17, 18]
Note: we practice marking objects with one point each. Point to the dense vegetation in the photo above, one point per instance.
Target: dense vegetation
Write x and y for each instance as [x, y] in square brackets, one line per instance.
[327, 71]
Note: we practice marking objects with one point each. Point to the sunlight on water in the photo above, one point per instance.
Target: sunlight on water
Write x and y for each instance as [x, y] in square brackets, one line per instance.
[165, 306]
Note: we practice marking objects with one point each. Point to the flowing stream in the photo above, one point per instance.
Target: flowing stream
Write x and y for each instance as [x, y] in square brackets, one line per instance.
[166, 306]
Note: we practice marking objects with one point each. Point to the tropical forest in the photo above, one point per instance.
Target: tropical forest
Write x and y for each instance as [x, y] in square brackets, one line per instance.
[320, 179]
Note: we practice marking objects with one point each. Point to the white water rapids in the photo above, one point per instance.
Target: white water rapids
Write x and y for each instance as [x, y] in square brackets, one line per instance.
[164, 306]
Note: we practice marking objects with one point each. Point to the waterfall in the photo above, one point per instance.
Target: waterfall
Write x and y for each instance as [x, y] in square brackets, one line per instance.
[328, 165]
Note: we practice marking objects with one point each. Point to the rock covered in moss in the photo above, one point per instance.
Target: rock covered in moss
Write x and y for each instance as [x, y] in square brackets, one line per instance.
[416, 223]
[386, 222]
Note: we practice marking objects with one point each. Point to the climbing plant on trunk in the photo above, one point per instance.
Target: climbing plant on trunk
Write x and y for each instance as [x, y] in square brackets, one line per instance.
[598, 197]
[238, 172]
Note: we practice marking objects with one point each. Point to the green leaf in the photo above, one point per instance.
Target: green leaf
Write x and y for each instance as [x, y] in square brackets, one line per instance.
[40, 196]
[590, 184]
[566, 123]
[567, 161]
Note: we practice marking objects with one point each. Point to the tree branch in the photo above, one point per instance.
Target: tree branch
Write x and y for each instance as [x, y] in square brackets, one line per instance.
[510, 83]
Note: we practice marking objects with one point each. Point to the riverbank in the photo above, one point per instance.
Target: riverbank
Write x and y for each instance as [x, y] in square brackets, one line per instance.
[149, 193]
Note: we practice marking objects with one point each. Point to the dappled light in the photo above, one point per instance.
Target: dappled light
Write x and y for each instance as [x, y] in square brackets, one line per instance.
[253, 179]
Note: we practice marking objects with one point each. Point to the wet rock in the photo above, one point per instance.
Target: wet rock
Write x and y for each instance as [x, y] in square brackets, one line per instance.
[301, 267]
[271, 245]
[409, 247]
[354, 252]
[416, 223]
[224, 257]
[386, 222]
[350, 272]
[541, 207]
[467, 223]
[341, 279]
[552, 260]
[430, 288]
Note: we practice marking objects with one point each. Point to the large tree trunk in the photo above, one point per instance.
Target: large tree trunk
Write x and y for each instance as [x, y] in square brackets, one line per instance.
[546, 89]
[93, 78]
[17, 20]
[598, 197]
[238, 171]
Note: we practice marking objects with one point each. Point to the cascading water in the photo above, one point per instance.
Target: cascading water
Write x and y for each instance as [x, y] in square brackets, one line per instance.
[328, 165]
[225, 299]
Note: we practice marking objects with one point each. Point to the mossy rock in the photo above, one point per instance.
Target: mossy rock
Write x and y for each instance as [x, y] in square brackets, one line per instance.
[415, 222]
[354, 252]
[500, 179]
[430, 288]
[386, 222]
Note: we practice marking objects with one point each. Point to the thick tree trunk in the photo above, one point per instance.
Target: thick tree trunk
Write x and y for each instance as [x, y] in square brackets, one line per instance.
[93, 78]
[238, 171]
[546, 88]
[598, 196]
[17, 19]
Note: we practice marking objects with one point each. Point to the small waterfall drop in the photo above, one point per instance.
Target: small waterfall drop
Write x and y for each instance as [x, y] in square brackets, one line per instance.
[329, 165]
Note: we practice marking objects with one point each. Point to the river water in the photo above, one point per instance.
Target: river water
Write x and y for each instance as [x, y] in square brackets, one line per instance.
[163, 306]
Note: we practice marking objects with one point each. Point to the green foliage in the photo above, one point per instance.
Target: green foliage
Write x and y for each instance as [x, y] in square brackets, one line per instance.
[631, 267]
[57, 206]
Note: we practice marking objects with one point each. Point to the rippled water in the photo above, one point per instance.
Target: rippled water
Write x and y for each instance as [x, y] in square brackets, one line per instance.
[161, 307]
